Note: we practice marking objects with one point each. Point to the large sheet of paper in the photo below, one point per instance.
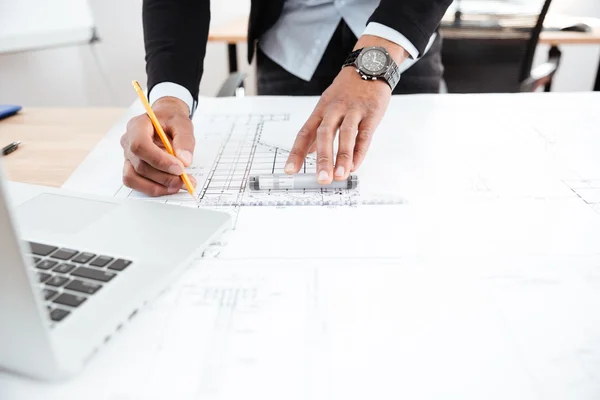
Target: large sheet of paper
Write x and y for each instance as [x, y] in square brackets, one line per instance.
[466, 265]
[444, 174]
[419, 328]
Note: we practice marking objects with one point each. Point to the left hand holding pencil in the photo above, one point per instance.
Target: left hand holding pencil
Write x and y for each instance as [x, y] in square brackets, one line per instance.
[149, 168]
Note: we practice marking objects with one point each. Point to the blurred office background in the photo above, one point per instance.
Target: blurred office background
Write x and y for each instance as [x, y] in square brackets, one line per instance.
[100, 74]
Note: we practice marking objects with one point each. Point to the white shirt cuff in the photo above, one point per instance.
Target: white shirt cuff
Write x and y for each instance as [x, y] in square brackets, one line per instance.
[377, 29]
[170, 89]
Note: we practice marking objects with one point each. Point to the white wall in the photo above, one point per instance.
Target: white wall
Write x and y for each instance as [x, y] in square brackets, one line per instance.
[70, 76]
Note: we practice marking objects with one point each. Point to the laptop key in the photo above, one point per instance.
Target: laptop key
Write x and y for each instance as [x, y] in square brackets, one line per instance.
[58, 315]
[46, 264]
[57, 281]
[43, 277]
[64, 268]
[49, 293]
[101, 261]
[84, 287]
[36, 260]
[83, 258]
[93, 274]
[41, 249]
[70, 300]
[119, 265]
[64, 254]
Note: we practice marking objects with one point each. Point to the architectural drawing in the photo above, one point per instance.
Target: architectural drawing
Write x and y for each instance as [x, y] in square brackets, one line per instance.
[230, 149]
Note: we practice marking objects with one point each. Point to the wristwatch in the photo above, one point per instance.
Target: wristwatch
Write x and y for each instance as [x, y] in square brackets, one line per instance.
[374, 63]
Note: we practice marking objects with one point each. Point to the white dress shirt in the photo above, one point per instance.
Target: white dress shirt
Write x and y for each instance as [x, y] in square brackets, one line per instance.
[300, 37]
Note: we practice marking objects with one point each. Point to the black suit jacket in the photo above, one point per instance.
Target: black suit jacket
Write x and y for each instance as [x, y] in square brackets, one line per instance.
[176, 32]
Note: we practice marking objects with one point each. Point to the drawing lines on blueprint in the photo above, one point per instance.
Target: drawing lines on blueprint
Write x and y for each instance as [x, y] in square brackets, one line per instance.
[232, 150]
[588, 190]
[220, 324]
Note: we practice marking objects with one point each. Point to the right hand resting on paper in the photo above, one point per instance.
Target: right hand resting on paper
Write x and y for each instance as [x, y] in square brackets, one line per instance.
[149, 168]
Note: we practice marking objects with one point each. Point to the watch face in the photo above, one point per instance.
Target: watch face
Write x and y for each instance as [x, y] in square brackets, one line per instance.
[373, 61]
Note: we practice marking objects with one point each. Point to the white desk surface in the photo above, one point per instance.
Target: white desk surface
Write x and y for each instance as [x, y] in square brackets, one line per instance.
[483, 282]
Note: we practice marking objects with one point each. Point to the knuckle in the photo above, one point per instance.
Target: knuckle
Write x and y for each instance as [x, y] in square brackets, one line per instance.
[123, 141]
[136, 146]
[133, 123]
[324, 130]
[360, 152]
[140, 167]
[344, 154]
[295, 153]
[157, 191]
[371, 106]
[337, 102]
[323, 159]
[363, 135]
[128, 179]
[171, 181]
[353, 106]
[304, 133]
[348, 130]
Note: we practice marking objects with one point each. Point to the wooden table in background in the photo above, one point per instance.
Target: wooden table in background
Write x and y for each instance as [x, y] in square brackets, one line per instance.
[235, 31]
[54, 141]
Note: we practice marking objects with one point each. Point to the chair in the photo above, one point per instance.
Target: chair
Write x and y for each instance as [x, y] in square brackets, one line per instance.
[233, 86]
[496, 64]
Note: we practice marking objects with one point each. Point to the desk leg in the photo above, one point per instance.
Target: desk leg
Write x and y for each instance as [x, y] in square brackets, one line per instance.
[597, 85]
[232, 52]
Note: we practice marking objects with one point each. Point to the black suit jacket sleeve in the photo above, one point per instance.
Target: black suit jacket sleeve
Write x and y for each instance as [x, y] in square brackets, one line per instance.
[175, 36]
[417, 20]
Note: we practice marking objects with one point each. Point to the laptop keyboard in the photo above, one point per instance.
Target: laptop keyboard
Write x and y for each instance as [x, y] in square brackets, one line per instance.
[69, 277]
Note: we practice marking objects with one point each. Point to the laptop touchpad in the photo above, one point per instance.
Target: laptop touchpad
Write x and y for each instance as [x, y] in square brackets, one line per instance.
[60, 215]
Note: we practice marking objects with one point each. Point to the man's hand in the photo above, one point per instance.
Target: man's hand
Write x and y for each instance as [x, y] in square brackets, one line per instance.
[353, 106]
[149, 168]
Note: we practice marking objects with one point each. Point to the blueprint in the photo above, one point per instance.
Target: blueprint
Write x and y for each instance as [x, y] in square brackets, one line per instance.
[465, 265]
[515, 327]
[425, 148]
[230, 149]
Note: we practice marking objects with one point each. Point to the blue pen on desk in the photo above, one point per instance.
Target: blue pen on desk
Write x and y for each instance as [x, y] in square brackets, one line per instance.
[10, 148]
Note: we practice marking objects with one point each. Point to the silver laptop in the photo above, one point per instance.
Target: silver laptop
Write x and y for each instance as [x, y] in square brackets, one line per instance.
[74, 269]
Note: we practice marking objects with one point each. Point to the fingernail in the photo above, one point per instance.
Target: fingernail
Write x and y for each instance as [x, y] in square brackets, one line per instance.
[352, 168]
[339, 172]
[175, 169]
[289, 168]
[185, 156]
[323, 176]
[174, 189]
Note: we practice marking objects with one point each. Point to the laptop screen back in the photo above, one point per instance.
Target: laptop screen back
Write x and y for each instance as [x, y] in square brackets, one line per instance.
[25, 346]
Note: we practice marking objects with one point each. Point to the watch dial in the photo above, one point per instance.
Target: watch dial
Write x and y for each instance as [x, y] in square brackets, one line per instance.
[374, 60]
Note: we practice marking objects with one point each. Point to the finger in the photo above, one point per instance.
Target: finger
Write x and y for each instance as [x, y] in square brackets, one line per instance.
[305, 137]
[184, 142]
[325, 136]
[147, 171]
[133, 180]
[312, 148]
[363, 140]
[345, 154]
[141, 144]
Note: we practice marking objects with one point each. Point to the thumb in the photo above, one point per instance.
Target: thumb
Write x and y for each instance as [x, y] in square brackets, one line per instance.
[184, 141]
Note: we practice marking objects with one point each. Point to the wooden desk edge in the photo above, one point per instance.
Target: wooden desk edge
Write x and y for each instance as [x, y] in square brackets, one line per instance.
[55, 141]
[235, 31]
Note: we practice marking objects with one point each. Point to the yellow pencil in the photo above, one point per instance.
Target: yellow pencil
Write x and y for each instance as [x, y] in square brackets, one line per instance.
[163, 136]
